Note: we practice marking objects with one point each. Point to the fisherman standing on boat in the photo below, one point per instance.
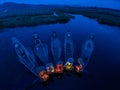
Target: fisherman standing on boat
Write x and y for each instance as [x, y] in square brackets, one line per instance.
[19, 48]
[36, 38]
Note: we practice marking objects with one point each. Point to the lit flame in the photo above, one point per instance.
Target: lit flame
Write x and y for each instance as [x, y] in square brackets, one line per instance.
[78, 68]
[59, 68]
[68, 66]
[50, 70]
[43, 74]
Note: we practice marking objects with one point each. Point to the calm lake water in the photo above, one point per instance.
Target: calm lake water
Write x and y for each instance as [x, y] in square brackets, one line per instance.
[103, 69]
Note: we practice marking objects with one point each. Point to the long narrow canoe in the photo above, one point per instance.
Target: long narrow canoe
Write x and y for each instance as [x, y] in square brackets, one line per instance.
[56, 47]
[40, 49]
[87, 50]
[27, 58]
[68, 46]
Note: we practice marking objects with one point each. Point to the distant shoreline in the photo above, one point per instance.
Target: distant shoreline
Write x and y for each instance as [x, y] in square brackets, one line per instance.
[20, 15]
[33, 20]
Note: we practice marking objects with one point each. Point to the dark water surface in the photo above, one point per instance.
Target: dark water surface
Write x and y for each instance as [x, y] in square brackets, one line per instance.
[103, 69]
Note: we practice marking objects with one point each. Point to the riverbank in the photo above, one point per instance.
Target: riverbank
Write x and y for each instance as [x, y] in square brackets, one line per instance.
[102, 15]
[33, 20]
[20, 15]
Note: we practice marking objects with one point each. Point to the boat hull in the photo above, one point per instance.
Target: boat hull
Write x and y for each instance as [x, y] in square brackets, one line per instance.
[87, 51]
[68, 46]
[56, 48]
[26, 57]
[41, 51]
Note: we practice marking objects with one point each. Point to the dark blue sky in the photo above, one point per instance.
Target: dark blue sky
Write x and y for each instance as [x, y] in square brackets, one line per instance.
[99, 3]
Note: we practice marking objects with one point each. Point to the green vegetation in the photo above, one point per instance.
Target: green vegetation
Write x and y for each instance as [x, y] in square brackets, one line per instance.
[33, 20]
[103, 16]
[20, 15]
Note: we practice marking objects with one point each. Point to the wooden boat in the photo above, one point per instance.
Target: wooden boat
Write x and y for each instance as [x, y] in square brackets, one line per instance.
[26, 57]
[87, 50]
[56, 47]
[40, 49]
[86, 53]
[68, 46]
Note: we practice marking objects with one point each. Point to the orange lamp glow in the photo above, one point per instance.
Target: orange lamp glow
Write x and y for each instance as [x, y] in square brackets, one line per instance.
[69, 66]
[43, 74]
[78, 68]
[50, 70]
[59, 68]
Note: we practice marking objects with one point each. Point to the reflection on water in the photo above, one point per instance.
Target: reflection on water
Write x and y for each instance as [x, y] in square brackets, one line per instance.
[102, 70]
